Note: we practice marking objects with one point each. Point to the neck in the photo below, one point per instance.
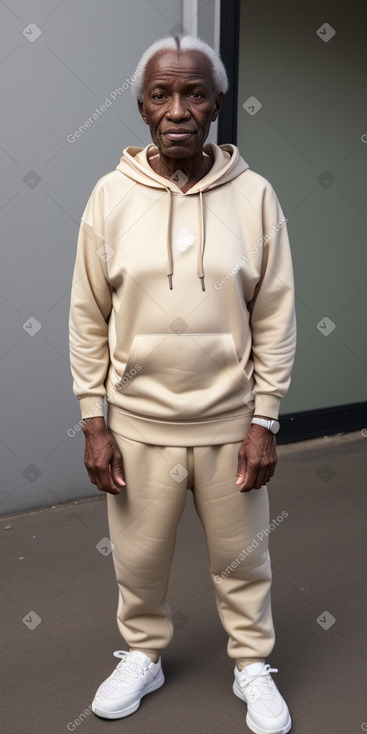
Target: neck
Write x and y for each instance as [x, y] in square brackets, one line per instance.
[194, 168]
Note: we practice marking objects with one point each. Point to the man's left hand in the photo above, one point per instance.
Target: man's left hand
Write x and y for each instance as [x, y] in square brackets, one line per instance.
[257, 459]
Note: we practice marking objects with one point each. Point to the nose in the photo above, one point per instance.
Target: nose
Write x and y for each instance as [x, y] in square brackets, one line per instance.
[178, 109]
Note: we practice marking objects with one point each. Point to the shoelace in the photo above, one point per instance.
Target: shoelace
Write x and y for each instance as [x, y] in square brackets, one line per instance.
[264, 673]
[127, 669]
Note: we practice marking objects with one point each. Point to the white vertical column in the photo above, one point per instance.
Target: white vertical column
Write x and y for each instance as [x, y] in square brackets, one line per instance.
[216, 25]
[190, 16]
[190, 21]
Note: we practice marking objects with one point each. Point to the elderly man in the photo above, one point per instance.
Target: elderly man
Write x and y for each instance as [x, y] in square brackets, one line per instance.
[182, 317]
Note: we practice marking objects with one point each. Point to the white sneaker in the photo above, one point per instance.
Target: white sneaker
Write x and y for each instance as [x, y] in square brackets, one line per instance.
[267, 712]
[120, 694]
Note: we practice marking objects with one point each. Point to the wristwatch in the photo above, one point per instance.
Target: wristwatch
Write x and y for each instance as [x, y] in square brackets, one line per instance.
[272, 425]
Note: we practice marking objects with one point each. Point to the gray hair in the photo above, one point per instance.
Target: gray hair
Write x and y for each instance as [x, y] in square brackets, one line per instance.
[181, 43]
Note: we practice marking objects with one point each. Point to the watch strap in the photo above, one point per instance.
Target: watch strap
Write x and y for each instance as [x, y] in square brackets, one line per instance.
[271, 424]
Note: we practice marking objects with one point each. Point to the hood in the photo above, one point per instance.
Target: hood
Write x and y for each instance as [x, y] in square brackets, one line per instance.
[228, 164]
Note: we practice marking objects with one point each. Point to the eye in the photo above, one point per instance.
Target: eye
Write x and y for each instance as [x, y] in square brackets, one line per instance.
[196, 95]
[158, 95]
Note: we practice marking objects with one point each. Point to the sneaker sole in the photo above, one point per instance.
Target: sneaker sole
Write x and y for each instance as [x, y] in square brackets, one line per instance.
[256, 729]
[153, 686]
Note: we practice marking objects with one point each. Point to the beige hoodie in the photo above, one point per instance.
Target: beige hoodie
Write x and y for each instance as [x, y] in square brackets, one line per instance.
[185, 359]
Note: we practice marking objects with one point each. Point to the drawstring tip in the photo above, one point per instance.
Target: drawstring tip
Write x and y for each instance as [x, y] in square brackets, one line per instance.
[170, 281]
[202, 283]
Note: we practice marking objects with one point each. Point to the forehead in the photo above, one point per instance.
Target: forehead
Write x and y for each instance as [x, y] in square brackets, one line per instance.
[170, 65]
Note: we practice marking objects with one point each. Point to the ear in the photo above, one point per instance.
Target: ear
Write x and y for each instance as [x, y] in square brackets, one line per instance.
[142, 111]
[218, 105]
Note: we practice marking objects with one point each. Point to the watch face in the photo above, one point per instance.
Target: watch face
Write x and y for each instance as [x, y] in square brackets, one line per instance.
[274, 426]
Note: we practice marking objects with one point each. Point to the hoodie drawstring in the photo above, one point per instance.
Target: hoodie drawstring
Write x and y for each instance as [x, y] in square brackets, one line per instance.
[201, 246]
[169, 240]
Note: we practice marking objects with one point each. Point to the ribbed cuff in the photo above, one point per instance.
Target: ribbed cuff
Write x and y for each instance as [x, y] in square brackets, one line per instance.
[266, 404]
[91, 406]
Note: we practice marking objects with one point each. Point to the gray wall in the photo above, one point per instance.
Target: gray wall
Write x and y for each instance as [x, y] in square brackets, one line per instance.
[309, 139]
[51, 80]
[312, 119]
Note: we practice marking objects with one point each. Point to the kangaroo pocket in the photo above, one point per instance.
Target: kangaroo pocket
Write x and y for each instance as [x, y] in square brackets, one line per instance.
[182, 377]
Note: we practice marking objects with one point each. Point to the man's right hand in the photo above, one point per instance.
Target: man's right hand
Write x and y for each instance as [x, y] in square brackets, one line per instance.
[102, 456]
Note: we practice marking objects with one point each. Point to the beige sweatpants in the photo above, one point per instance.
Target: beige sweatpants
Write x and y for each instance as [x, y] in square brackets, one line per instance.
[142, 523]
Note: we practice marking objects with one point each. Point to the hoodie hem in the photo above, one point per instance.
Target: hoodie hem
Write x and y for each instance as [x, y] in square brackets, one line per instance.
[228, 428]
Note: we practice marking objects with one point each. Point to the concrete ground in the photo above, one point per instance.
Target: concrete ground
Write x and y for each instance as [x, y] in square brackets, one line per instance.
[58, 605]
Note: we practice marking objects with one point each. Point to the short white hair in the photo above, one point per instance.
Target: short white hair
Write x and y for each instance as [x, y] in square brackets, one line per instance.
[180, 42]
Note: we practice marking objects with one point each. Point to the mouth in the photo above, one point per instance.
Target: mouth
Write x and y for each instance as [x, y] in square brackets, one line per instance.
[178, 134]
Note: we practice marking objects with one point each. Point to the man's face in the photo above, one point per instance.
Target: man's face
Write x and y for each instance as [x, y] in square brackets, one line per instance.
[179, 102]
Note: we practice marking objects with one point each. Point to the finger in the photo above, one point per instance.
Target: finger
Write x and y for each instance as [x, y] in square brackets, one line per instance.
[241, 469]
[113, 490]
[104, 481]
[266, 472]
[250, 479]
[263, 476]
[117, 469]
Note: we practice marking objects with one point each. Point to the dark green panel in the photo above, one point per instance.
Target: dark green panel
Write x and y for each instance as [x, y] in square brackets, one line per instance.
[309, 139]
